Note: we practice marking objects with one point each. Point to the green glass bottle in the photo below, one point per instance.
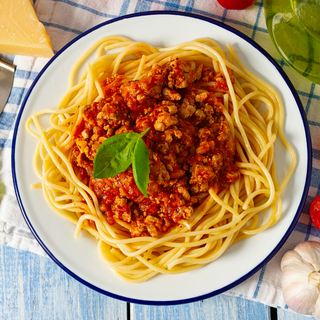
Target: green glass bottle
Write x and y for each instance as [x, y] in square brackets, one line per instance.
[296, 41]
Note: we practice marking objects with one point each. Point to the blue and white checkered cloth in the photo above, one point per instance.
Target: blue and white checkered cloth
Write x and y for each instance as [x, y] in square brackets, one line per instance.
[65, 19]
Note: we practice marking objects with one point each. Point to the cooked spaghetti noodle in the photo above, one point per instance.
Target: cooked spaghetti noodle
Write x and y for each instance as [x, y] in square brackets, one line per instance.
[254, 113]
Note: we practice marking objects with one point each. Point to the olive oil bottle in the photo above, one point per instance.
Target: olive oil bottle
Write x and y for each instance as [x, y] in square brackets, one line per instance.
[294, 26]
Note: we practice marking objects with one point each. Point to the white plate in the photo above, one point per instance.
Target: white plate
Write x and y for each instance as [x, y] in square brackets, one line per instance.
[80, 257]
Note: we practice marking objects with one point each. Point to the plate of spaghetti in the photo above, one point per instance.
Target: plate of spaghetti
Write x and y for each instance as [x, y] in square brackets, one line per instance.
[156, 152]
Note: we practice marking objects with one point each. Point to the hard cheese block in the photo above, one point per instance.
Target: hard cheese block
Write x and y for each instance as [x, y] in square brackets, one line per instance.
[21, 33]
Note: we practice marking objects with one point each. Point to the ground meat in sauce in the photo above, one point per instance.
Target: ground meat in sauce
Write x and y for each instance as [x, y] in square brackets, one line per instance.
[190, 145]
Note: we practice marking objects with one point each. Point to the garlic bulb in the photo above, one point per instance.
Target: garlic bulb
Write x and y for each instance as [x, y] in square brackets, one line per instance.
[300, 278]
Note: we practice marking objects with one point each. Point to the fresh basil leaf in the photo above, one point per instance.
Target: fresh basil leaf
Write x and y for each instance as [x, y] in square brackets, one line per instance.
[114, 155]
[140, 166]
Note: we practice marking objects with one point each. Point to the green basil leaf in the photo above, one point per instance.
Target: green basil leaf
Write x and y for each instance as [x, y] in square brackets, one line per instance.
[140, 166]
[118, 152]
[114, 155]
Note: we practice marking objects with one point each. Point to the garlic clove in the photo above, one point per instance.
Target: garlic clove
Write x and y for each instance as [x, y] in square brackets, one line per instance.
[310, 252]
[316, 312]
[301, 297]
[295, 273]
[300, 278]
[293, 257]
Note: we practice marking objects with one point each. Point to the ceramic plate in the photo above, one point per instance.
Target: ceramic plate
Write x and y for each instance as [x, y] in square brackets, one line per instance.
[80, 257]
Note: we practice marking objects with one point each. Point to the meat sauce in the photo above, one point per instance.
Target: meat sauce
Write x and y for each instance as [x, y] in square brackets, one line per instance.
[190, 145]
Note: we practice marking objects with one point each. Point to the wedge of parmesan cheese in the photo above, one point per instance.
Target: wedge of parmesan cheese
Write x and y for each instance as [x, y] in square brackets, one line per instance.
[21, 33]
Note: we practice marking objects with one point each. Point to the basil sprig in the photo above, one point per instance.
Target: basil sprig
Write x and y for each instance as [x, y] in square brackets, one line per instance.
[118, 152]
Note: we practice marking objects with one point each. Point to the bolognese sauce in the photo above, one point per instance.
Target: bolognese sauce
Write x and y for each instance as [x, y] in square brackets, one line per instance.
[190, 144]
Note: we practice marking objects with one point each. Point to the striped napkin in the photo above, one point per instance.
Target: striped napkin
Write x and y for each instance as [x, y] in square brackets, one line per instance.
[65, 19]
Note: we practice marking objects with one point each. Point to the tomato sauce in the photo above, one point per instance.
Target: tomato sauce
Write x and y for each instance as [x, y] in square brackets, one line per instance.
[190, 145]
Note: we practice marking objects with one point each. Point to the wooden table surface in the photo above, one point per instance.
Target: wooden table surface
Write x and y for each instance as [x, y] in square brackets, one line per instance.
[35, 288]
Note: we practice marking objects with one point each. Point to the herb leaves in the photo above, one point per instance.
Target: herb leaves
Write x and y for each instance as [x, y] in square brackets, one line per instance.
[118, 152]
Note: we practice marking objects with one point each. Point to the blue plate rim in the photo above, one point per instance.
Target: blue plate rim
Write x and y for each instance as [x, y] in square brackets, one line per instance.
[271, 254]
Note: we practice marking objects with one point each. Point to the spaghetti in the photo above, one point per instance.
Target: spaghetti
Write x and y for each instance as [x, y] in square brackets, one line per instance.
[222, 216]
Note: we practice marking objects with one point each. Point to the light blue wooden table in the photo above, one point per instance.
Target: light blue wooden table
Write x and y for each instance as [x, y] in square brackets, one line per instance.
[35, 288]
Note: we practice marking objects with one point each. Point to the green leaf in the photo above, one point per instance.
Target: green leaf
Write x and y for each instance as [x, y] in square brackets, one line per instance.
[116, 154]
[140, 166]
